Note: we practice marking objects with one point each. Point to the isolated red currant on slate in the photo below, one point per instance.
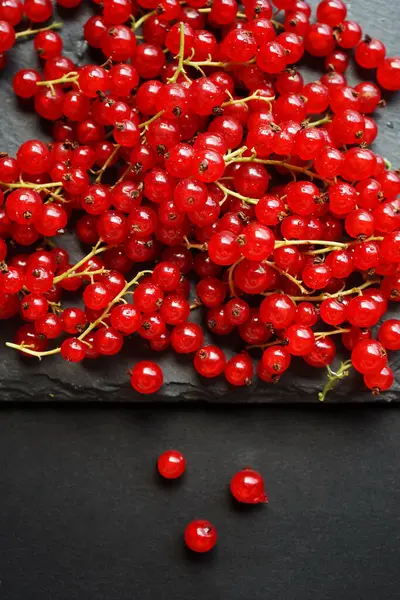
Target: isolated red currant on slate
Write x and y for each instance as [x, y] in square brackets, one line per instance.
[171, 464]
[247, 486]
[200, 536]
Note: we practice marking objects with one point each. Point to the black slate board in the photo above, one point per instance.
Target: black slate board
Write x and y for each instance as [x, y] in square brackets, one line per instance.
[107, 379]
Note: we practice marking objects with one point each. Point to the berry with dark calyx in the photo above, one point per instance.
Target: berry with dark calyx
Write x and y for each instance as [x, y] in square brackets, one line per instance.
[239, 370]
[200, 536]
[276, 360]
[247, 486]
[209, 361]
[368, 356]
[380, 380]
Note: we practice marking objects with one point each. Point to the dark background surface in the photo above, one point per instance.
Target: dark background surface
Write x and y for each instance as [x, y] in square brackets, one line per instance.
[106, 379]
[84, 515]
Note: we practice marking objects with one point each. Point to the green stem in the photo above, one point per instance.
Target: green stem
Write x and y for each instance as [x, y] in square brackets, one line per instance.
[34, 186]
[326, 119]
[275, 163]
[354, 290]
[180, 68]
[139, 22]
[30, 31]
[334, 378]
[71, 77]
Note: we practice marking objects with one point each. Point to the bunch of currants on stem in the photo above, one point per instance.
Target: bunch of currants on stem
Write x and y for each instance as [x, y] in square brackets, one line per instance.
[198, 149]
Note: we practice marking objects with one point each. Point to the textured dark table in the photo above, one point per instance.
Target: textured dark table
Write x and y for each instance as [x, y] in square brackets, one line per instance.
[107, 379]
[83, 515]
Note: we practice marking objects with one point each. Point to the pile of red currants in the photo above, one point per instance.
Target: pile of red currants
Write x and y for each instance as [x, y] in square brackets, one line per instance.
[197, 150]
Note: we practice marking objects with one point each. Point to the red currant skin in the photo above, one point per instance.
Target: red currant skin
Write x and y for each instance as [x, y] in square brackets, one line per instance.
[388, 74]
[200, 536]
[300, 340]
[209, 361]
[369, 356]
[33, 157]
[171, 464]
[187, 338]
[389, 334]
[323, 354]
[239, 370]
[379, 381]
[247, 486]
[146, 377]
[73, 350]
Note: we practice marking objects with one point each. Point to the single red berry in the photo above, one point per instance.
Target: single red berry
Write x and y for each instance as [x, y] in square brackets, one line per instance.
[323, 353]
[247, 486]
[239, 370]
[171, 464]
[379, 381]
[146, 377]
[209, 361]
[389, 334]
[368, 356]
[200, 536]
[73, 350]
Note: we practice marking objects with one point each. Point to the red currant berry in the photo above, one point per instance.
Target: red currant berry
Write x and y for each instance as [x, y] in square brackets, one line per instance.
[171, 464]
[200, 536]
[247, 486]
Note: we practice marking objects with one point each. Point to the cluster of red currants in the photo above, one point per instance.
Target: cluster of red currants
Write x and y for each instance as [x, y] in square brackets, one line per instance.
[222, 165]
[13, 12]
[247, 487]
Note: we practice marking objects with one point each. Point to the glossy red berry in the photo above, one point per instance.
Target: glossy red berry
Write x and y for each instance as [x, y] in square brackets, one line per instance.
[368, 356]
[200, 536]
[146, 377]
[247, 486]
[171, 464]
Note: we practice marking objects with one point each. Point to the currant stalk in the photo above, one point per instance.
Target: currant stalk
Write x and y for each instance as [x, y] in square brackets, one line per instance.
[334, 377]
[31, 31]
[354, 290]
[97, 249]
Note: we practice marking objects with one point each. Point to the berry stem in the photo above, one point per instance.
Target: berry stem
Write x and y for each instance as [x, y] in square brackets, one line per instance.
[285, 274]
[71, 77]
[334, 378]
[33, 186]
[274, 163]
[30, 31]
[139, 22]
[334, 245]
[87, 273]
[322, 334]
[354, 290]
[107, 163]
[326, 119]
[236, 194]
[95, 250]
[180, 68]
[117, 298]
[147, 123]
[254, 96]
[231, 271]
[26, 350]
